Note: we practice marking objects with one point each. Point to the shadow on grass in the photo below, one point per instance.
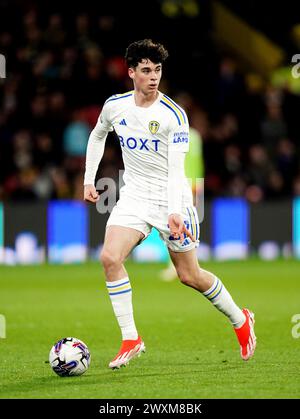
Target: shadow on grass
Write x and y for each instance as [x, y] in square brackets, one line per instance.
[78, 387]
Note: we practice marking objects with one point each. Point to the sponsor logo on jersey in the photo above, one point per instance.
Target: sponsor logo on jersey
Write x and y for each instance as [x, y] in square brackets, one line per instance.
[181, 137]
[153, 127]
[139, 143]
[123, 122]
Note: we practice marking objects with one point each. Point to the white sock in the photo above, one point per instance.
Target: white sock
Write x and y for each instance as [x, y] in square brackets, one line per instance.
[121, 298]
[221, 298]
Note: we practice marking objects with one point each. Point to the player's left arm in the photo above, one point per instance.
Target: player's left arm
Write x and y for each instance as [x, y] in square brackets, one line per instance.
[178, 145]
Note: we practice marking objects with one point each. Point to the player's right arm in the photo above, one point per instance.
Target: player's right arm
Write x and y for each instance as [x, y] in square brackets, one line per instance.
[94, 154]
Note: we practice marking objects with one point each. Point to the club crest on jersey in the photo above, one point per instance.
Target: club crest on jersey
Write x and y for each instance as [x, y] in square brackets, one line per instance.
[153, 127]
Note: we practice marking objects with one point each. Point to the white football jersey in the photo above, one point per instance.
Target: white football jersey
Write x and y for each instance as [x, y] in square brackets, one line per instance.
[146, 135]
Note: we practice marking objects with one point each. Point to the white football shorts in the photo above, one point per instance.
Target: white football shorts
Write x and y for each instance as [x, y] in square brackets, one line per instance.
[142, 216]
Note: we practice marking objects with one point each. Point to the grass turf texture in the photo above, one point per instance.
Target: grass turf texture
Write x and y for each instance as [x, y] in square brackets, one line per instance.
[191, 350]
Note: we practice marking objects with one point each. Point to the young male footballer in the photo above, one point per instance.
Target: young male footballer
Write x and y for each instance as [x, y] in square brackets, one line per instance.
[154, 137]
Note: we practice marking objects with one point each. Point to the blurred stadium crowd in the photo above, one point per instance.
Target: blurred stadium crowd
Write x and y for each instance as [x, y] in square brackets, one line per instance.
[59, 73]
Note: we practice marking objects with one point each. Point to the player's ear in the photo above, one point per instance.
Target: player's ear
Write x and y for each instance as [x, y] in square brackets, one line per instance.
[131, 72]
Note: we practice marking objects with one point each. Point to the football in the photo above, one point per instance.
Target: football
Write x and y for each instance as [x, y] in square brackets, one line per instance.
[69, 356]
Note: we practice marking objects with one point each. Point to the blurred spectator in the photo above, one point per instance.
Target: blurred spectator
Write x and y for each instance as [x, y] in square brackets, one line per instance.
[44, 155]
[233, 160]
[273, 127]
[22, 150]
[287, 163]
[54, 35]
[61, 186]
[26, 180]
[275, 185]
[236, 187]
[259, 167]
[75, 136]
[230, 85]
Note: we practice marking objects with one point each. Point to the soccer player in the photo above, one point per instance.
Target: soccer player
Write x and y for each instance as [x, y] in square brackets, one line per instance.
[153, 133]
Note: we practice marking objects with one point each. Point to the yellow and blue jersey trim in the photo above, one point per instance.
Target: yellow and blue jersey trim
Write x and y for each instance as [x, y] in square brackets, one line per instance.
[178, 112]
[119, 96]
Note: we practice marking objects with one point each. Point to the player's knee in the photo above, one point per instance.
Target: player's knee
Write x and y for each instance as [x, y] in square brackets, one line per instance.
[185, 277]
[109, 259]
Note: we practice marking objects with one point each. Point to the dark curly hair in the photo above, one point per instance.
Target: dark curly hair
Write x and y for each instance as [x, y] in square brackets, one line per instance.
[145, 49]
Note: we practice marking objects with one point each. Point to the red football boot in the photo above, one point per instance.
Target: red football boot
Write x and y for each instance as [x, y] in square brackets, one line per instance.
[129, 350]
[246, 336]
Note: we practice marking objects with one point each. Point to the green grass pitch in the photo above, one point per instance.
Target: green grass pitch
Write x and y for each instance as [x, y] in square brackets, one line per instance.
[192, 351]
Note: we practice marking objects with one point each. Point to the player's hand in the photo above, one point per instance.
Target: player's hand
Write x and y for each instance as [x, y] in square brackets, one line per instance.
[90, 193]
[178, 228]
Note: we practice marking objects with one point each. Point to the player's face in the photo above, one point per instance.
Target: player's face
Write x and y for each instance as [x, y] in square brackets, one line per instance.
[146, 76]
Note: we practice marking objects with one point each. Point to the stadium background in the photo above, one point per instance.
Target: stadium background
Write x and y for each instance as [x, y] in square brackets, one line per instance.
[230, 68]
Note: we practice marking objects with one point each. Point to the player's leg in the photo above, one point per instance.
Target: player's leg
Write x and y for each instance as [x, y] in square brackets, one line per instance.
[190, 274]
[118, 243]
